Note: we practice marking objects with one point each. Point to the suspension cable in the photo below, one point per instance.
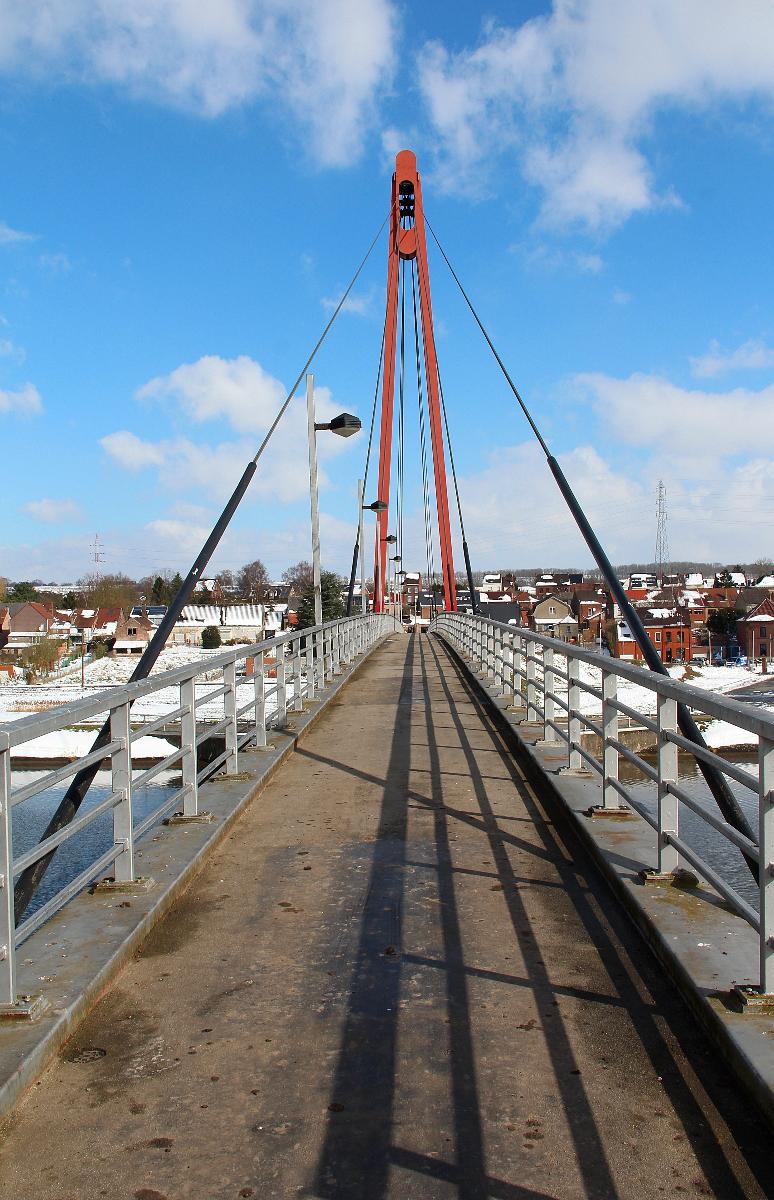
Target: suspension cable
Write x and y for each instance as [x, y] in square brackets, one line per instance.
[429, 551]
[726, 801]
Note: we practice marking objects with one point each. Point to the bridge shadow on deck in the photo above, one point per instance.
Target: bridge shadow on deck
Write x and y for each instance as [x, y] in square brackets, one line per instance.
[360, 1144]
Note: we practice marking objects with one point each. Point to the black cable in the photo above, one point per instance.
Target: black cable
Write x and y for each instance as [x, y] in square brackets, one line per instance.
[29, 880]
[718, 784]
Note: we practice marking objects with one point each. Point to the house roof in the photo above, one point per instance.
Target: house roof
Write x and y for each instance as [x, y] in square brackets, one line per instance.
[248, 615]
[762, 612]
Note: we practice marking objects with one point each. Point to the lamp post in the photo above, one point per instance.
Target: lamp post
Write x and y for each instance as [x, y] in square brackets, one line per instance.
[344, 425]
[376, 507]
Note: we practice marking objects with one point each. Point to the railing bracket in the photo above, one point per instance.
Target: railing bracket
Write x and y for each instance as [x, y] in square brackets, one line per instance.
[615, 814]
[26, 1008]
[131, 887]
[200, 818]
[680, 878]
[753, 1001]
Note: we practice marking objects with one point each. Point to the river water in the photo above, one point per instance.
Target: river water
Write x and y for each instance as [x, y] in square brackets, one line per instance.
[32, 816]
[711, 845]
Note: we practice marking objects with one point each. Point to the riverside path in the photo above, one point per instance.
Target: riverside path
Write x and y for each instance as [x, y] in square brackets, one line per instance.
[395, 978]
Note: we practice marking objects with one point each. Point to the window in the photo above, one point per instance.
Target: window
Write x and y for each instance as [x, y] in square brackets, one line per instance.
[551, 610]
[657, 636]
[668, 635]
[680, 636]
[131, 631]
[763, 631]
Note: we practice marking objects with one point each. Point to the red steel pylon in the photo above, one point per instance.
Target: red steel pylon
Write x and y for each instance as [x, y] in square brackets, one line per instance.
[407, 241]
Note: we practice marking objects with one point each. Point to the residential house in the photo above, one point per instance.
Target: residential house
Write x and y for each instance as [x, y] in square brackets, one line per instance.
[668, 630]
[755, 631]
[29, 623]
[132, 634]
[554, 617]
[5, 627]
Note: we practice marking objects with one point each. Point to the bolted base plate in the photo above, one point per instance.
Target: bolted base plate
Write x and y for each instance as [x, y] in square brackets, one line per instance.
[202, 818]
[679, 878]
[133, 887]
[575, 772]
[614, 814]
[236, 777]
[753, 1001]
[26, 1008]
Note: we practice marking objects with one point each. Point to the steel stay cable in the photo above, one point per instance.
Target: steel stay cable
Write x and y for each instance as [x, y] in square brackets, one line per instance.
[429, 549]
[718, 785]
[29, 880]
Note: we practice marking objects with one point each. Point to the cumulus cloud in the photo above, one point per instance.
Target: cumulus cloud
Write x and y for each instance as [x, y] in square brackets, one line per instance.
[573, 95]
[25, 402]
[131, 451]
[237, 395]
[639, 409]
[752, 355]
[323, 63]
[53, 511]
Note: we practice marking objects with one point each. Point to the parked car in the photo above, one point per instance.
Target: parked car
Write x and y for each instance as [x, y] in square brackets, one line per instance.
[699, 660]
[717, 660]
[739, 661]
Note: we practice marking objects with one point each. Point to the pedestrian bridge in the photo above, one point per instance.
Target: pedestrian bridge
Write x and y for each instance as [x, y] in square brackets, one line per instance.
[398, 974]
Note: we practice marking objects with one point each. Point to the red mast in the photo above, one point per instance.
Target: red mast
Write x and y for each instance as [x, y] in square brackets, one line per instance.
[406, 243]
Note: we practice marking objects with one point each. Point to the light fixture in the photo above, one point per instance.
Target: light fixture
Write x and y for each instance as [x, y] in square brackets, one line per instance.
[344, 425]
[376, 506]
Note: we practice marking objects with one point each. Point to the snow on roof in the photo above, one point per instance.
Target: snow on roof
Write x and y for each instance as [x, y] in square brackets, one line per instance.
[127, 644]
[249, 615]
[737, 577]
[767, 581]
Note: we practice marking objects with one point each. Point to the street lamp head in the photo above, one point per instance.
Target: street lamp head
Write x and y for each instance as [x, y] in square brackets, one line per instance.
[377, 506]
[345, 425]
[391, 539]
[397, 558]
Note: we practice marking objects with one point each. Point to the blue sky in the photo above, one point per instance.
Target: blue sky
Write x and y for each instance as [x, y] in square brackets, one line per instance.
[187, 188]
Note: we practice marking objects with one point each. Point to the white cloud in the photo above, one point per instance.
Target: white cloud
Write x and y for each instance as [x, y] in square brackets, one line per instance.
[620, 296]
[752, 355]
[52, 511]
[25, 402]
[132, 452]
[241, 395]
[57, 264]
[359, 304]
[573, 95]
[8, 236]
[325, 62]
[640, 409]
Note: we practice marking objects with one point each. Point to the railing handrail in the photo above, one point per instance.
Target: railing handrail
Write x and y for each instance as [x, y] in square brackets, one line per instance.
[711, 704]
[521, 662]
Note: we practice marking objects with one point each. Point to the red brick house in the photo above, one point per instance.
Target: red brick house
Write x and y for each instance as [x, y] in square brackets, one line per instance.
[756, 631]
[671, 634]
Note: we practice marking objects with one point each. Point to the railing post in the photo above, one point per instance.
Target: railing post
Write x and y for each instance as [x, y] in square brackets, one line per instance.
[259, 692]
[668, 815]
[549, 707]
[188, 760]
[121, 770]
[574, 762]
[532, 711]
[319, 658]
[282, 686]
[7, 928]
[337, 652]
[310, 688]
[610, 731]
[509, 694]
[519, 676]
[230, 765]
[766, 864]
[298, 698]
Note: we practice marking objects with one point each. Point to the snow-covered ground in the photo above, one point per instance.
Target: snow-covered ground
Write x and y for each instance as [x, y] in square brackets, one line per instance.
[719, 680]
[22, 700]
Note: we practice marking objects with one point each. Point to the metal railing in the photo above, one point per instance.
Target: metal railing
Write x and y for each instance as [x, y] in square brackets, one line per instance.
[286, 671]
[542, 676]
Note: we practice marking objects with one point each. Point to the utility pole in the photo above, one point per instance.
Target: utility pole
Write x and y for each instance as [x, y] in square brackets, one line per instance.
[361, 545]
[662, 539]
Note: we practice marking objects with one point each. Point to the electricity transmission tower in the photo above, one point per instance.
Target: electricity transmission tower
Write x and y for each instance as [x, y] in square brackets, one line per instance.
[662, 538]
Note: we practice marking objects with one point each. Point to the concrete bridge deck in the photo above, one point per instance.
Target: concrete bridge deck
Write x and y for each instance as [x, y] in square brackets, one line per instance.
[394, 979]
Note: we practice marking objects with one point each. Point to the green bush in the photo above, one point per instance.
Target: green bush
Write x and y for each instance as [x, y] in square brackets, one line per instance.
[210, 638]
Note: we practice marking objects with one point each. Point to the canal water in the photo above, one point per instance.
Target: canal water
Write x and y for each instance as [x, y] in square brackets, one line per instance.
[32, 816]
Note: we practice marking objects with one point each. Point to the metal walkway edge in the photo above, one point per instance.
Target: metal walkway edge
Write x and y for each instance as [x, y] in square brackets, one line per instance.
[393, 979]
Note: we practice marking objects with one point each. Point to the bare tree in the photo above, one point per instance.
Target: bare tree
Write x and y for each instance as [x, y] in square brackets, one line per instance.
[299, 576]
[252, 581]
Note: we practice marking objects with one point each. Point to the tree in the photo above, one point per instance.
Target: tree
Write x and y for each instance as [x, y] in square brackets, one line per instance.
[332, 604]
[108, 591]
[22, 593]
[159, 590]
[722, 621]
[210, 637]
[299, 575]
[723, 578]
[252, 581]
[42, 656]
